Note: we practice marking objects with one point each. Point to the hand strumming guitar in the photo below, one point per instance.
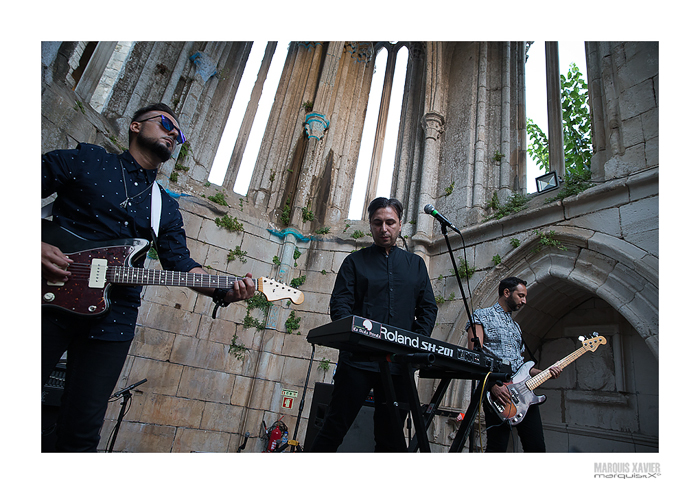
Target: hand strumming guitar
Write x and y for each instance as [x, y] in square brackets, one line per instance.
[54, 264]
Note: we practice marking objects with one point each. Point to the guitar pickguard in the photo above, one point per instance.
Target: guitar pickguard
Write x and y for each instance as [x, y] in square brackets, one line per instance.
[86, 293]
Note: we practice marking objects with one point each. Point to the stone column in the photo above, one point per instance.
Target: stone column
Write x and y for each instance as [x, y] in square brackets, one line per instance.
[433, 126]
[554, 113]
[94, 70]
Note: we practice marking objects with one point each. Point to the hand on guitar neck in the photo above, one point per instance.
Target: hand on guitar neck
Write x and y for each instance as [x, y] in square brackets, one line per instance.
[242, 289]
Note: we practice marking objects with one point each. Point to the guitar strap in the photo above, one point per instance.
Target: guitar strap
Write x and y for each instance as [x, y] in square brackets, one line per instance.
[532, 356]
[156, 208]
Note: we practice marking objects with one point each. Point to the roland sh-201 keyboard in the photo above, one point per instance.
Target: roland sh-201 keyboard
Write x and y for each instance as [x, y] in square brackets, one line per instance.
[363, 336]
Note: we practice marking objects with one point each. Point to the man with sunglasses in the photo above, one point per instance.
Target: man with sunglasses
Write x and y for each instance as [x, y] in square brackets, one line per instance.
[105, 196]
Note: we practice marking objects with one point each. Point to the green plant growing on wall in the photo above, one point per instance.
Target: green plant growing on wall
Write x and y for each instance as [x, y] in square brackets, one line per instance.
[357, 234]
[230, 224]
[257, 301]
[218, 198]
[574, 183]
[297, 282]
[324, 364]
[514, 204]
[323, 231]
[498, 156]
[547, 240]
[307, 214]
[285, 216]
[237, 253]
[496, 260]
[237, 350]
[297, 255]
[515, 242]
[276, 261]
[464, 271]
[450, 189]
[292, 322]
[174, 176]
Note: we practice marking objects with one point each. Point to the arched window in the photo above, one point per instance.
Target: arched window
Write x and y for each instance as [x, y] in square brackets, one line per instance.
[243, 133]
[376, 159]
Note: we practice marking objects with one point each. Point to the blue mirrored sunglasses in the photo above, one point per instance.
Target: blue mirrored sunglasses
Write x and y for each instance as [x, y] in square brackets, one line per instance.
[168, 125]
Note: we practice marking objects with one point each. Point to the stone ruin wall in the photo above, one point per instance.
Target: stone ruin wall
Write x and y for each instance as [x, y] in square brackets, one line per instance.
[200, 397]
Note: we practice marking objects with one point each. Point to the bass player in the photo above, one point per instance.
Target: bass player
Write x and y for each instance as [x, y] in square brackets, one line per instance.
[500, 335]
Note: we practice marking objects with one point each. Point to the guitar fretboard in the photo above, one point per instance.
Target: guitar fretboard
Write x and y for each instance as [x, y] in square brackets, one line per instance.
[124, 275]
[543, 376]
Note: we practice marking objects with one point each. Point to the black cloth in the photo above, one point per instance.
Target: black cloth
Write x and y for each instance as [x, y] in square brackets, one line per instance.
[92, 371]
[529, 431]
[89, 183]
[393, 289]
[89, 186]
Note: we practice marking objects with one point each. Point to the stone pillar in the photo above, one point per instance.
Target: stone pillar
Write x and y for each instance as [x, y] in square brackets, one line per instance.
[504, 163]
[433, 125]
[94, 70]
[554, 113]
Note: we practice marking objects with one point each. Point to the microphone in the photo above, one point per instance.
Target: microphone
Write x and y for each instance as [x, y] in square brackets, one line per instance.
[429, 209]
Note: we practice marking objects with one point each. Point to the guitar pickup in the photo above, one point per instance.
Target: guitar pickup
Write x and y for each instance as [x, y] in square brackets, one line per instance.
[98, 273]
[515, 396]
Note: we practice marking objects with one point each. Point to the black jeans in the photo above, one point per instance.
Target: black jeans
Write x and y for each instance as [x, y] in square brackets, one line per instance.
[351, 387]
[92, 371]
[529, 431]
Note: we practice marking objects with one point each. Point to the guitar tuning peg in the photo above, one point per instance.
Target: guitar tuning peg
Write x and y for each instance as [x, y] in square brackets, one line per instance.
[595, 334]
[581, 338]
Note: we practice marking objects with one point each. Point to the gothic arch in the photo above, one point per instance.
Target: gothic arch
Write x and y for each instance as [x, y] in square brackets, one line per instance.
[593, 264]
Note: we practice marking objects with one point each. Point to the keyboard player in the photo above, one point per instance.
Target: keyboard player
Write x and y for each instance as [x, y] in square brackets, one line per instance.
[389, 285]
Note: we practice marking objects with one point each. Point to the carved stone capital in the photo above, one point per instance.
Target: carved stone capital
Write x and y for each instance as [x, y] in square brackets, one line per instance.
[315, 125]
[433, 125]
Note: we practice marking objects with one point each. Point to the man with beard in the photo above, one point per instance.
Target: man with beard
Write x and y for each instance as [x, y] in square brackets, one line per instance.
[103, 196]
[389, 285]
[500, 335]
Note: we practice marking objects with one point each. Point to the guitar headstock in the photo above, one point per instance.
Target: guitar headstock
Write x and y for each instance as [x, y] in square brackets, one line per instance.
[274, 290]
[591, 344]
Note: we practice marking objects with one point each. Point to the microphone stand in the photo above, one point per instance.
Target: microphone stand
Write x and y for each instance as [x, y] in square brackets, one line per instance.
[477, 345]
[126, 398]
[468, 417]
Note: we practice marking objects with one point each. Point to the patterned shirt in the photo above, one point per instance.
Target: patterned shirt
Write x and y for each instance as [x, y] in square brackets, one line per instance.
[502, 335]
[90, 186]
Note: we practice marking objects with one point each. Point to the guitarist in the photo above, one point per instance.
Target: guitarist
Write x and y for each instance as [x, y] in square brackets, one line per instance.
[500, 335]
[104, 196]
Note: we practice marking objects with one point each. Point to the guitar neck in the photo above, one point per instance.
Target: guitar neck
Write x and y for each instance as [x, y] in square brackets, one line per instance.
[124, 275]
[543, 376]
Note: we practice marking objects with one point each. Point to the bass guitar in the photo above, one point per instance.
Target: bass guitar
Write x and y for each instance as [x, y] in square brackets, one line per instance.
[98, 265]
[521, 389]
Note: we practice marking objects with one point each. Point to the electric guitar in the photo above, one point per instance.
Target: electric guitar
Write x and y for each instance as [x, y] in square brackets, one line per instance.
[521, 388]
[98, 265]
